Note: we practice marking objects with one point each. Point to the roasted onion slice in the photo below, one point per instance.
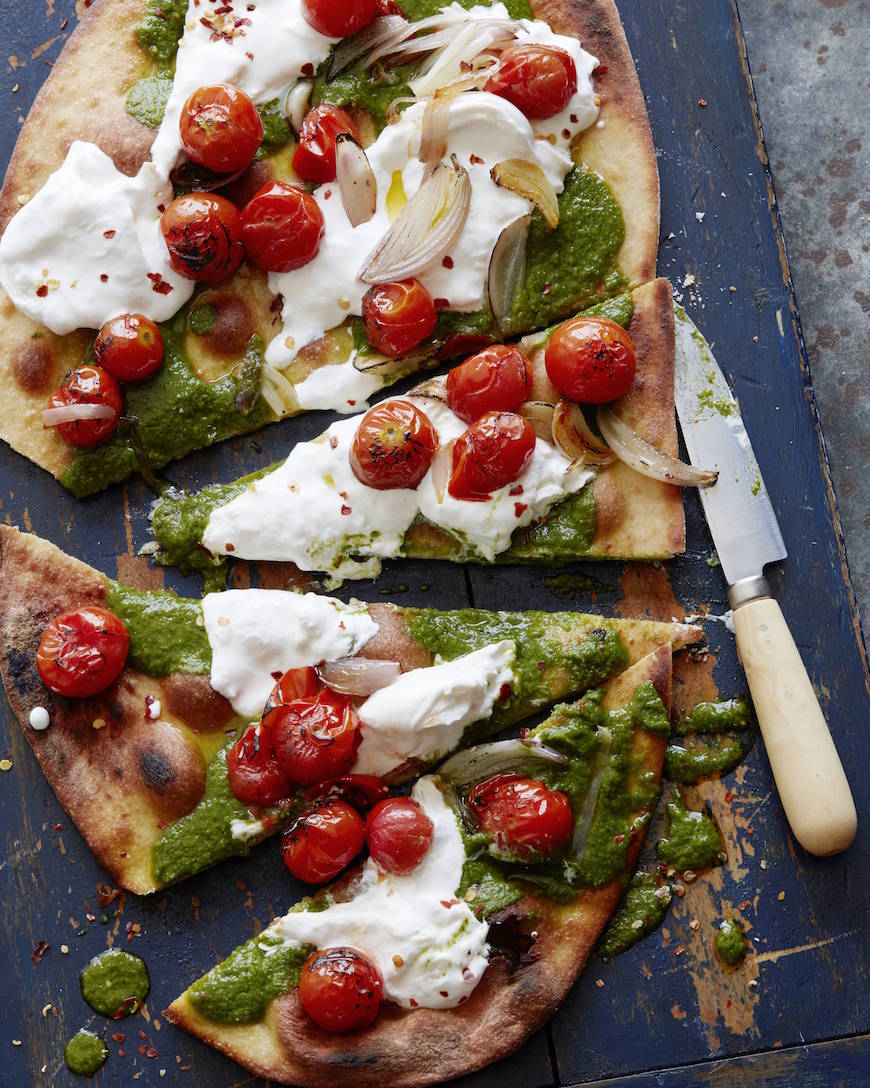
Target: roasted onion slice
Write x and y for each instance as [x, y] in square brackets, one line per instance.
[356, 180]
[72, 413]
[358, 675]
[507, 270]
[528, 180]
[645, 458]
[574, 438]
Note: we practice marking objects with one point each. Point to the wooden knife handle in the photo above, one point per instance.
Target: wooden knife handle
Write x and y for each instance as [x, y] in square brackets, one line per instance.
[809, 775]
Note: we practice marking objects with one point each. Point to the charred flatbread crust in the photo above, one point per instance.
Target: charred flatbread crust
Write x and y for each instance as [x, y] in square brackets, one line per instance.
[122, 776]
[83, 99]
[516, 996]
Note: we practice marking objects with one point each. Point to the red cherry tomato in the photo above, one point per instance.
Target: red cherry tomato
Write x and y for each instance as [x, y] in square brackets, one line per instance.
[398, 316]
[318, 845]
[590, 359]
[361, 791]
[340, 989]
[497, 379]
[338, 18]
[294, 684]
[203, 234]
[525, 818]
[282, 226]
[220, 128]
[82, 652]
[393, 446]
[316, 737]
[130, 347]
[398, 833]
[314, 157]
[255, 775]
[88, 385]
[538, 79]
[491, 454]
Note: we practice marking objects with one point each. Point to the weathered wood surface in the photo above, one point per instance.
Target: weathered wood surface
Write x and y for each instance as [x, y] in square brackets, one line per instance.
[807, 977]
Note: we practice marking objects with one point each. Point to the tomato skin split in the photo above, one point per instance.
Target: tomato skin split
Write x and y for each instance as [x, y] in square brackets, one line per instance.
[315, 737]
[321, 842]
[538, 79]
[83, 652]
[398, 316]
[255, 775]
[491, 454]
[220, 128]
[525, 819]
[314, 157]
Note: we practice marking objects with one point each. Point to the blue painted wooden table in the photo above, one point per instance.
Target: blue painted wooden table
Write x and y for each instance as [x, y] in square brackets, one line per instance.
[663, 1014]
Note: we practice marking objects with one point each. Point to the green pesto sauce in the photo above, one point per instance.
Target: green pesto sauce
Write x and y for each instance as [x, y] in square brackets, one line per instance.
[115, 983]
[146, 100]
[692, 841]
[697, 759]
[624, 801]
[642, 910]
[571, 584]
[85, 1053]
[730, 942]
[239, 989]
[160, 30]
[201, 319]
[716, 717]
[204, 836]
[179, 522]
[563, 534]
[167, 633]
[547, 644]
[276, 128]
[176, 412]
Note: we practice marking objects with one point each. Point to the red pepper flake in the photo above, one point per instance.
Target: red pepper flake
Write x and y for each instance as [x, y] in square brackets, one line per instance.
[442, 303]
[277, 304]
[546, 289]
[504, 692]
[601, 69]
[728, 1003]
[619, 838]
[185, 1068]
[476, 160]
[122, 1053]
[104, 278]
[158, 283]
[142, 1034]
[229, 547]
[443, 993]
[42, 291]
[333, 442]
[151, 1052]
[108, 234]
[105, 893]
[566, 133]
[447, 262]
[729, 796]
[161, 208]
[520, 508]
[58, 827]
[702, 102]
[413, 1003]
[448, 903]
[118, 1036]
[308, 69]
[40, 951]
[518, 490]
[679, 950]
[345, 509]
[542, 665]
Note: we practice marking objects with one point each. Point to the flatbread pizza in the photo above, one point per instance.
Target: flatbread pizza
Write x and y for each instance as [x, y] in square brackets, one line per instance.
[474, 947]
[146, 766]
[558, 210]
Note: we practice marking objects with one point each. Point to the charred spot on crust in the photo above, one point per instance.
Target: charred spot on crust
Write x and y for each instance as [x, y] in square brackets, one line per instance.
[157, 774]
[21, 671]
[195, 702]
[509, 940]
[33, 366]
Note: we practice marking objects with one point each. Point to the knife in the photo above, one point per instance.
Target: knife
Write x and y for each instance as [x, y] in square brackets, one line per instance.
[812, 785]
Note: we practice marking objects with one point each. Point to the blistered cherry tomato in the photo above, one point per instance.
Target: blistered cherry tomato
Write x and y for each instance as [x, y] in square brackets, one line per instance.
[282, 226]
[220, 128]
[314, 157]
[398, 833]
[360, 791]
[340, 989]
[203, 234]
[590, 359]
[320, 842]
[255, 775]
[316, 737]
[88, 385]
[130, 347]
[82, 652]
[538, 79]
[497, 379]
[393, 446]
[294, 684]
[398, 316]
[491, 454]
[338, 18]
[524, 817]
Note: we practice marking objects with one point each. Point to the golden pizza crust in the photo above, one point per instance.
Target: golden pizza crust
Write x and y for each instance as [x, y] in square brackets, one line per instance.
[407, 1049]
[121, 781]
[91, 78]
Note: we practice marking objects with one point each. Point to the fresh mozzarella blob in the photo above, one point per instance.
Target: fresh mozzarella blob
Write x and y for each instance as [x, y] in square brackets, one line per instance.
[483, 130]
[260, 48]
[425, 712]
[257, 634]
[82, 250]
[428, 946]
[312, 510]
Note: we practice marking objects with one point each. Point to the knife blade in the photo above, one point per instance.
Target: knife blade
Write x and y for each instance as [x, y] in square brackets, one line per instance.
[812, 785]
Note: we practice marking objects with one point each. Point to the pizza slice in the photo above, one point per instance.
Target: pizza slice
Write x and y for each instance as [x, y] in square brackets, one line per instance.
[144, 709]
[416, 976]
[439, 474]
[457, 216]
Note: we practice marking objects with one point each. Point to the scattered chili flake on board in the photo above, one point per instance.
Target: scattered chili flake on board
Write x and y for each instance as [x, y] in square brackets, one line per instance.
[702, 102]
[40, 951]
